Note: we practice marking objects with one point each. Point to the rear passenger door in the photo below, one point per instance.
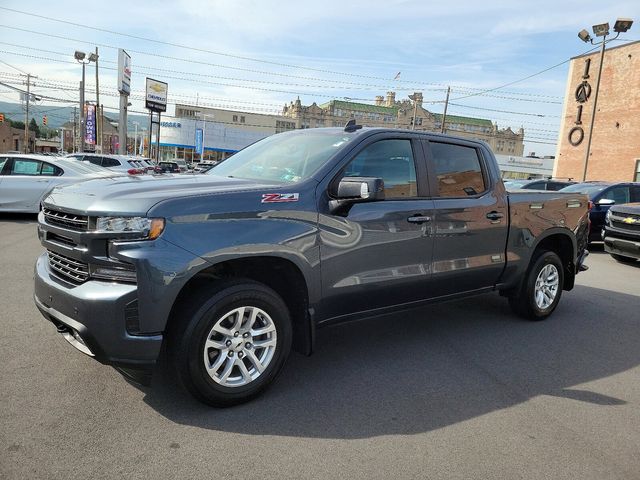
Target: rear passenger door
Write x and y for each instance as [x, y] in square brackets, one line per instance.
[471, 217]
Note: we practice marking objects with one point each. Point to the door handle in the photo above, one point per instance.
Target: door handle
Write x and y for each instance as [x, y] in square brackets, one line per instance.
[494, 216]
[419, 219]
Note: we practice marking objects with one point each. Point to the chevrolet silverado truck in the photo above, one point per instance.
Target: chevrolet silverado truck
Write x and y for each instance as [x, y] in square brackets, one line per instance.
[621, 232]
[226, 272]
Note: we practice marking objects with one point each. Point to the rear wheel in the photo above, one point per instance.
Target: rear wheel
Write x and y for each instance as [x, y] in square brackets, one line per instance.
[233, 341]
[541, 288]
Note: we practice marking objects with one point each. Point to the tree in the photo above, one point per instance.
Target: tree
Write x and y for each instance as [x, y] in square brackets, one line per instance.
[17, 124]
[33, 126]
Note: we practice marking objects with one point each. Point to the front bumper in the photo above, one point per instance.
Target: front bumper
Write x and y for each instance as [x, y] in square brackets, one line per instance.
[621, 246]
[96, 311]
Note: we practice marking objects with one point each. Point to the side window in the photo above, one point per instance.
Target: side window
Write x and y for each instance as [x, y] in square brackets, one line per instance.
[3, 161]
[391, 160]
[635, 192]
[50, 170]
[458, 170]
[535, 186]
[25, 167]
[618, 194]
[110, 162]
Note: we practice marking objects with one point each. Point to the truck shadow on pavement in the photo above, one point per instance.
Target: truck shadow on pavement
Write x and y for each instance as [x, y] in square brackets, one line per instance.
[430, 368]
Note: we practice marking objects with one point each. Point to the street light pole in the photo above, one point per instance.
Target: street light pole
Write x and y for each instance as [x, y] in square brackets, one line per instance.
[593, 111]
[80, 58]
[600, 30]
[82, 112]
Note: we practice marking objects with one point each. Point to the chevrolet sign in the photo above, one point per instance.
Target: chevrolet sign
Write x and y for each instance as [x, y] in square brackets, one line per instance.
[156, 95]
[631, 220]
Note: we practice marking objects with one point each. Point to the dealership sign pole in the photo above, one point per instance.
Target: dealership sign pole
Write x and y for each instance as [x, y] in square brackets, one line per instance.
[155, 102]
[124, 87]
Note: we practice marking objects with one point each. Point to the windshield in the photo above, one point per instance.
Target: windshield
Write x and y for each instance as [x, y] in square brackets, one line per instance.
[284, 158]
[585, 188]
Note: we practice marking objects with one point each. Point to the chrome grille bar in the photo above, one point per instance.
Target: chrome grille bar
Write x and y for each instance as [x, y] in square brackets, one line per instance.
[68, 268]
[67, 220]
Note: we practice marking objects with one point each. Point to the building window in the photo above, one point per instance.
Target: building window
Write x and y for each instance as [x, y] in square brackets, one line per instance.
[637, 177]
[235, 118]
[242, 119]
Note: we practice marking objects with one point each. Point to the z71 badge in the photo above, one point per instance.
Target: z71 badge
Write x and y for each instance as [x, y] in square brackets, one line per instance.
[279, 197]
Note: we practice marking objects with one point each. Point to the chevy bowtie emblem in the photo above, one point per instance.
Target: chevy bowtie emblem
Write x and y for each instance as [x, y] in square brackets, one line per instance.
[630, 220]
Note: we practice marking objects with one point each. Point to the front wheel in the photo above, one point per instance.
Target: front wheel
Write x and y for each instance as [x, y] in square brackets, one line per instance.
[233, 341]
[541, 288]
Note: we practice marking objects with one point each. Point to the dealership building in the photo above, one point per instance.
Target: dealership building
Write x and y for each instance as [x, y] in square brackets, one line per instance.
[227, 131]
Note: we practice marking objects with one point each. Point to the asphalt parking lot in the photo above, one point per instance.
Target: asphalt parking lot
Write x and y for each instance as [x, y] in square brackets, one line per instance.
[457, 390]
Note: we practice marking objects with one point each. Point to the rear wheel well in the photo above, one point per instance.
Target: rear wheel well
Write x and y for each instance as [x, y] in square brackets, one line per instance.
[563, 247]
[280, 274]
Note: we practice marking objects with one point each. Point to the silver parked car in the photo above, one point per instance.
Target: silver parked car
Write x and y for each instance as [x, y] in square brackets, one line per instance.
[120, 163]
[25, 179]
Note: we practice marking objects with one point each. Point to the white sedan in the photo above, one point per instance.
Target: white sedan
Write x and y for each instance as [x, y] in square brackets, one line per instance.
[25, 179]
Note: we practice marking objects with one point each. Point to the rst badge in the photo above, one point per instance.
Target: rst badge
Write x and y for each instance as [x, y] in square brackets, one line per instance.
[280, 197]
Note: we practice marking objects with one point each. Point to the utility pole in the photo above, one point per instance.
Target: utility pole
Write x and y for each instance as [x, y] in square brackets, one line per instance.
[75, 130]
[444, 116]
[99, 119]
[415, 112]
[26, 112]
[26, 116]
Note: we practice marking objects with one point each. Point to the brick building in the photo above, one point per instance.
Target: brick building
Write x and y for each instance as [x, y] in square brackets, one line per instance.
[12, 139]
[615, 145]
[390, 113]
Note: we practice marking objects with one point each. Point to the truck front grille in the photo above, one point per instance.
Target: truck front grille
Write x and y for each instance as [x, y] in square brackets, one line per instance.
[68, 268]
[618, 221]
[66, 220]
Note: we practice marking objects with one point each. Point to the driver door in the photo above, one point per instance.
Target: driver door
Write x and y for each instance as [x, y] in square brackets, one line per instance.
[378, 254]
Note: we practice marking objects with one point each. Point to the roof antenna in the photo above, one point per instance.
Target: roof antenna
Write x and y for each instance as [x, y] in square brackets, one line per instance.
[351, 126]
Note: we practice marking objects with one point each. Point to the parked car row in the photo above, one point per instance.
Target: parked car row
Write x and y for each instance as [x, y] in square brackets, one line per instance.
[122, 163]
[25, 179]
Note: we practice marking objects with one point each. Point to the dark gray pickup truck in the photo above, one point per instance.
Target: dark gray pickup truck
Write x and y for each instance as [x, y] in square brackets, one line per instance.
[231, 269]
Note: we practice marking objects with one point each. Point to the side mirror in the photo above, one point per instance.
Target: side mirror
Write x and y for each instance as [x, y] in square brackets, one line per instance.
[361, 189]
[605, 202]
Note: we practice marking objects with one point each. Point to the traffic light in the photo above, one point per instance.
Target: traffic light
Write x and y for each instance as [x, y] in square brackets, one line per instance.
[44, 120]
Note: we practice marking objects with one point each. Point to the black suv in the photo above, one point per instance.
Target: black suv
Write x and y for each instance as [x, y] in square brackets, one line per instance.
[540, 184]
[602, 196]
[621, 233]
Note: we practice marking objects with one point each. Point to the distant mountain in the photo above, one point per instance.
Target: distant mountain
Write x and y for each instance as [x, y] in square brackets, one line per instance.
[57, 116]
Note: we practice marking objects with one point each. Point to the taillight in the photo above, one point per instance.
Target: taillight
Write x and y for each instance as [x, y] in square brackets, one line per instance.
[590, 205]
[135, 171]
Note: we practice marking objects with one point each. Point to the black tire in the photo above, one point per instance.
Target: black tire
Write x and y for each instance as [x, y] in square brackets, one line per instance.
[523, 301]
[193, 322]
[622, 258]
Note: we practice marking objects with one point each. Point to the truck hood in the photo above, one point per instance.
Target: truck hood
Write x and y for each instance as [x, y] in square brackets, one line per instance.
[627, 208]
[135, 195]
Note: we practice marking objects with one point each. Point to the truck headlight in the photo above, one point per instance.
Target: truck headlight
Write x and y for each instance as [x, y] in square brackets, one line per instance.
[147, 228]
[607, 217]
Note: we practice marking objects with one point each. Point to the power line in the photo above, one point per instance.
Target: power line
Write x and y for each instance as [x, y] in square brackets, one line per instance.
[504, 111]
[482, 91]
[342, 83]
[15, 68]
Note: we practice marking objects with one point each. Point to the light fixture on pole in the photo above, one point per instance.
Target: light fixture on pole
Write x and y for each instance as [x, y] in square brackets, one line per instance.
[600, 30]
[82, 58]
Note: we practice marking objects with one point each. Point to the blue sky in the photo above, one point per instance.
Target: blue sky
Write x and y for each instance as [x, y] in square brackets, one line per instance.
[259, 55]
